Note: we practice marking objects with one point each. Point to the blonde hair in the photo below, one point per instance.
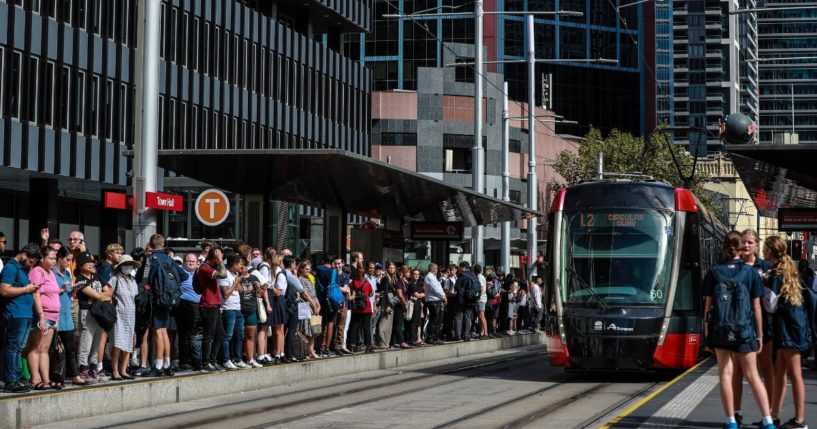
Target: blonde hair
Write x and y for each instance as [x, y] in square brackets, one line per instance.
[790, 289]
[114, 247]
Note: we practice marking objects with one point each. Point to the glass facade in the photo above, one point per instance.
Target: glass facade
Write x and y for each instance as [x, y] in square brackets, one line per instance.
[396, 48]
[711, 68]
[788, 85]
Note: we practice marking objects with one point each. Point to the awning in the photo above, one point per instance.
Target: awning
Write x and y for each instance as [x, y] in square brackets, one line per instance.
[336, 178]
[777, 175]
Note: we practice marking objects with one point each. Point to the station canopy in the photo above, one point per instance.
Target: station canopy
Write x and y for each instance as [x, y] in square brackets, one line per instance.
[337, 178]
[777, 176]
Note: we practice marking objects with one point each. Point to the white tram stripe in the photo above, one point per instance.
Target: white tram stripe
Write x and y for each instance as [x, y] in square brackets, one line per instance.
[677, 409]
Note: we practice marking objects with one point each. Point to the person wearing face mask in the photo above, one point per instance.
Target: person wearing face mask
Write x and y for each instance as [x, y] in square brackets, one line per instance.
[125, 289]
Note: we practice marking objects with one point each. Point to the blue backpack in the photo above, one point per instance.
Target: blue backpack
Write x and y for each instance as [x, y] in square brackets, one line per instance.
[730, 320]
[333, 293]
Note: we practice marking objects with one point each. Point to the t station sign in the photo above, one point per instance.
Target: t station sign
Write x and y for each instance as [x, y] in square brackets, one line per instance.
[436, 231]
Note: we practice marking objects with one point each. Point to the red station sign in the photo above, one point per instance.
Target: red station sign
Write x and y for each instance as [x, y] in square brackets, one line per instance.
[157, 201]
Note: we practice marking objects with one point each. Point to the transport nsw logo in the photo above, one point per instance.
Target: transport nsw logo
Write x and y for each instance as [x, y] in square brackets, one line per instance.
[599, 326]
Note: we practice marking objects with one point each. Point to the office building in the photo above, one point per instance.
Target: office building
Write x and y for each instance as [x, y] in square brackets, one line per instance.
[233, 75]
[784, 35]
[605, 96]
[431, 131]
[713, 72]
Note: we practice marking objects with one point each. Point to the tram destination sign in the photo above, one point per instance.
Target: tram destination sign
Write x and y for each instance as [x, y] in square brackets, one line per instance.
[797, 219]
[436, 230]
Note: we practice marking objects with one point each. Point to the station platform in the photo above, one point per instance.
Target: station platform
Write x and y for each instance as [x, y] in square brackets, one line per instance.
[692, 400]
[40, 408]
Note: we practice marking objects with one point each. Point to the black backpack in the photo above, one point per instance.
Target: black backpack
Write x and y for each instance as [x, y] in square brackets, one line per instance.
[730, 320]
[166, 285]
[361, 300]
[471, 288]
[198, 286]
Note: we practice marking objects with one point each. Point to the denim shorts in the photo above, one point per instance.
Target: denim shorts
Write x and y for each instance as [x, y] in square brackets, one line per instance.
[51, 324]
[482, 306]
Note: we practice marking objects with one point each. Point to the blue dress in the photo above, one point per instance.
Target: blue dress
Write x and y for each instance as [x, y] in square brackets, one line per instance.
[789, 322]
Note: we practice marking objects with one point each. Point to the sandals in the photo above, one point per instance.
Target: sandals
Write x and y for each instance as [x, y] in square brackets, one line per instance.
[127, 377]
[41, 386]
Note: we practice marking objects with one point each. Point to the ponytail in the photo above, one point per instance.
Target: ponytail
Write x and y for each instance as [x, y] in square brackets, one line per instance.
[790, 289]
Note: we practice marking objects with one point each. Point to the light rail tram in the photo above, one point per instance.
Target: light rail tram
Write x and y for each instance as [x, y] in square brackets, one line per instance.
[626, 262]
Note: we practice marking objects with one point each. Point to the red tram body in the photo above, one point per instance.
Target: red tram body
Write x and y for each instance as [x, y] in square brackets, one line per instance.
[626, 260]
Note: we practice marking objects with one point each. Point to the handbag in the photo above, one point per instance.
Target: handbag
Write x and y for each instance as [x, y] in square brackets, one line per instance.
[304, 310]
[105, 314]
[316, 324]
[56, 358]
[262, 311]
[409, 311]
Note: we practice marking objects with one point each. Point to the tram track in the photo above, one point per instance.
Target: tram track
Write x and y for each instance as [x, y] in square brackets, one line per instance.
[241, 409]
[505, 364]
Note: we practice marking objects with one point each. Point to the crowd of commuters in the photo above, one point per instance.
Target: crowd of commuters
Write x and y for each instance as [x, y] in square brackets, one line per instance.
[152, 312]
[758, 324]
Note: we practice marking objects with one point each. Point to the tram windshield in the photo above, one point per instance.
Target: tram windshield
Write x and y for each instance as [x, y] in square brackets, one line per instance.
[616, 257]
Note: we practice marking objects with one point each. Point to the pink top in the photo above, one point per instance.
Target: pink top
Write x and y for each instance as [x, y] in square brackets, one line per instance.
[49, 291]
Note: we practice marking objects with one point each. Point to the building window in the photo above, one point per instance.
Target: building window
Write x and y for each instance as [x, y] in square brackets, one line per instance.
[48, 95]
[192, 50]
[2, 100]
[94, 103]
[94, 18]
[108, 108]
[79, 102]
[457, 149]
[79, 14]
[32, 77]
[515, 146]
[163, 32]
[121, 112]
[398, 139]
[162, 122]
[515, 196]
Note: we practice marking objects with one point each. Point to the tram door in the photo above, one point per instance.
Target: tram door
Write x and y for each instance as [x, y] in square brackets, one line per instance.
[549, 317]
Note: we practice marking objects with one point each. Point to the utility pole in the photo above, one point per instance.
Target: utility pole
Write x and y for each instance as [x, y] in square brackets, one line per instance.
[532, 180]
[477, 154]
[505, 256]
[146, 151]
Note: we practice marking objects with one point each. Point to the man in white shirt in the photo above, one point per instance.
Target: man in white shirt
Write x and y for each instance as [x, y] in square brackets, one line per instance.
[435, 300]
[231, 314]
[449, 279]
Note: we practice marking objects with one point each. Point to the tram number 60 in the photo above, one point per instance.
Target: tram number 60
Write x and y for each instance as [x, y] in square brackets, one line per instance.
[587, 220]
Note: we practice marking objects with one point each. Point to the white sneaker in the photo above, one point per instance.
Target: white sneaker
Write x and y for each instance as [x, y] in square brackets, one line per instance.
[241, 364]
[229, 366]
[255, 364]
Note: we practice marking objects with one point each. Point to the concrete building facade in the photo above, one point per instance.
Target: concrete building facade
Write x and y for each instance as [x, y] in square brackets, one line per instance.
[431, 130]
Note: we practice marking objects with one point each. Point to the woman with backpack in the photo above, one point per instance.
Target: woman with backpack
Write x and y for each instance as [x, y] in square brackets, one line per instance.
[751, 256]
[739, 289]
[790, 326]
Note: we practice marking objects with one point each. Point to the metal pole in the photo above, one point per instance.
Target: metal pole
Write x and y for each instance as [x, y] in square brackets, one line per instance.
[146, 148]
[505, 257]
[532, 181]
[477, 172]
[601, 165]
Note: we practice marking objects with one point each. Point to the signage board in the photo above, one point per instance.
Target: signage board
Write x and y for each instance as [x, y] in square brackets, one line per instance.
[212, 207]
[797, 219]
[159, 201]
[436, 230]
[117, 201]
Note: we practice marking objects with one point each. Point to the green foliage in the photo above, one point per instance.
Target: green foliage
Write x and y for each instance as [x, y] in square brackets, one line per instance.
[626, 154]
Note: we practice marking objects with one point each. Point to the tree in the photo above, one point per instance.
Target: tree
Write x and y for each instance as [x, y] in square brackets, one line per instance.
[625, 154]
